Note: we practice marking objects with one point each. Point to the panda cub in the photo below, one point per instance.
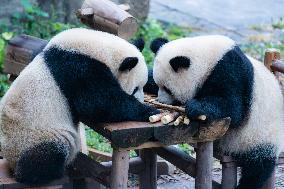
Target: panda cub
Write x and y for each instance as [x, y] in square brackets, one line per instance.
[81, 75]
[213, 77]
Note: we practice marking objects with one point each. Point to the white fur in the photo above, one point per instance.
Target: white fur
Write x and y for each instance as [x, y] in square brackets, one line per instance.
[108, 49]
[34, 110]
[265, 123]
[204, 53]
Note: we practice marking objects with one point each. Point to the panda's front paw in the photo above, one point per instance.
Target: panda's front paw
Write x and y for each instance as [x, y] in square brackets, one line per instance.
[149, 111]
[195, 111]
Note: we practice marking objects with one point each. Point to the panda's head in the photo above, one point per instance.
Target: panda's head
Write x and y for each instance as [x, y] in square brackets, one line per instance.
[124, 59]
[181, 66]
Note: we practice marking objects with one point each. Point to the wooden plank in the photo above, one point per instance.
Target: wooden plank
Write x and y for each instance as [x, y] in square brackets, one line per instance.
[10, 183]
[85, 167]
[134, 134]
[204, 162]
[148, 177]
[119, 169]
[99, 155]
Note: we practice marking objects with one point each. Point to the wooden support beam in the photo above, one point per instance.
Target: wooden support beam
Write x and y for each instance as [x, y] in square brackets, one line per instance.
[119, 169]
[229, 173]
[204, 161]
[109, 17]
[148, 177]
[136, 165]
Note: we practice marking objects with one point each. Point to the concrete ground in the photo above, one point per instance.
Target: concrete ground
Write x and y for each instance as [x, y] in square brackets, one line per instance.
[233, 18]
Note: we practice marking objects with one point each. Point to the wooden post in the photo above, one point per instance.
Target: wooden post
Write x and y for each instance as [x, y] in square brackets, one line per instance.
[271, 55]
[119, 169]
[269, 184]
[148, 177]
[204, 155]
[229, 173]
[109, 17]
[83, 141]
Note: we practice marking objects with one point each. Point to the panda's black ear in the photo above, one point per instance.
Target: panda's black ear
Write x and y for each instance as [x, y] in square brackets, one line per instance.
[139, 43]
[156, 44]
[128, 63]
[180, 62]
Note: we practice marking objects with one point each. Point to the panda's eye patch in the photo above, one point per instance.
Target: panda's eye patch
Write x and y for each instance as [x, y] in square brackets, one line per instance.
[179, 62]
[135, 90]
[128, 63]
[168, 91]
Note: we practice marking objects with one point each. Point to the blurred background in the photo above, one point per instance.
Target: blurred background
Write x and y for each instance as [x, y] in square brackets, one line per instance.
[255, 25]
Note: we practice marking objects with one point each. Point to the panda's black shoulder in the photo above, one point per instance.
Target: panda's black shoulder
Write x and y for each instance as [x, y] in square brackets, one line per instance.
[232, 78]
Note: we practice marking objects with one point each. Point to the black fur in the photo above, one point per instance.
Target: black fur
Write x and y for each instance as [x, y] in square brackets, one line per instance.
[93, 93]
[180, 62]
[151, 87]
[128, 64]
[139, 43]
[156, 44]
[227, 92]
[257, 166]
[42, 163]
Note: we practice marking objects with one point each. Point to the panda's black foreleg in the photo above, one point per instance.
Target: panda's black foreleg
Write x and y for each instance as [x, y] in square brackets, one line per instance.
[257, 166]
[42, 163]
[212, 107]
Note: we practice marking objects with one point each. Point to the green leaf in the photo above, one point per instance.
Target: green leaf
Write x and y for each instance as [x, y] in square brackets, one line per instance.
[7, 35]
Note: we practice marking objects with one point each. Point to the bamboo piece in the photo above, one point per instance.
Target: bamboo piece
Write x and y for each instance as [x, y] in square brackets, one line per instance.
[169, 117]
[109, 17]
[157, 117]
[202, 117]
[178, 120]
[164, 106]
[186, 121]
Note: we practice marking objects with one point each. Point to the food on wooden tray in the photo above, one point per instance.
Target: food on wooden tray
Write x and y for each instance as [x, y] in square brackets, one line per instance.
[169, 113]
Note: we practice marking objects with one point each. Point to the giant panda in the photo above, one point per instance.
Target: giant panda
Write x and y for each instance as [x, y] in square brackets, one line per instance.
[211, 76]
[81, 75]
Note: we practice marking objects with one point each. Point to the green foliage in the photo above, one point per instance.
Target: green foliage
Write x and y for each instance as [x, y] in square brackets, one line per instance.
[97, 141]
[257, 49]
[186, 148]
[152, 29]
[279, 24]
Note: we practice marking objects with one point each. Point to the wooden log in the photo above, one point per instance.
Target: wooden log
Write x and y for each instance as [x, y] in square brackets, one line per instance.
[204, 161]
[109, 17]
[148, 177]
[119, 169]
[20, 52]
[271, 55]
[99, 155]
[229, 173]
[277, 66]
